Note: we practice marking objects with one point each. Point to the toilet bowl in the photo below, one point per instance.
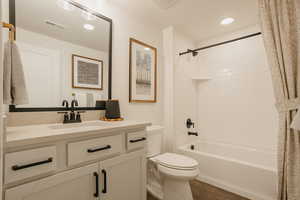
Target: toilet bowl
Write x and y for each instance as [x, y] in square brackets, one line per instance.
[176, 172]
[168, 173]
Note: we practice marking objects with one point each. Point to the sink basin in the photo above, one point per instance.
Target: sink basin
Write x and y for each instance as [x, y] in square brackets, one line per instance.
[79, 125]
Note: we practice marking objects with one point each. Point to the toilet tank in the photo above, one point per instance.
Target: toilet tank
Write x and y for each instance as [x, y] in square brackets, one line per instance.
[154, 140]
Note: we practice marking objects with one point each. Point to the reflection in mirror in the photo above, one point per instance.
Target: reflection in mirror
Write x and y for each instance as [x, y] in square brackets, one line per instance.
[65, 51]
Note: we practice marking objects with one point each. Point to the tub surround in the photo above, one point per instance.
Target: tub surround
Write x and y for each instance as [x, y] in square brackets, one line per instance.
[60, 157]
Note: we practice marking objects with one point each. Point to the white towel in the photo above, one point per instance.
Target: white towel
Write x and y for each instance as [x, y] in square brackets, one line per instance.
[14, 88]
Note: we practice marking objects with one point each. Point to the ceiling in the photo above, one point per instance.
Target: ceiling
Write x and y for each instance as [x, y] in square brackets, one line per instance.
[32, 14]
[197, 19]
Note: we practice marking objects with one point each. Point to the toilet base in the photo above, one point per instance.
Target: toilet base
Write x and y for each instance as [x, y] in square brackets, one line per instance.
[177, 190]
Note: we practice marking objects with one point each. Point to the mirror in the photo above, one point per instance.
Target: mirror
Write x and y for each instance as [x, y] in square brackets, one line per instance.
[66, 53]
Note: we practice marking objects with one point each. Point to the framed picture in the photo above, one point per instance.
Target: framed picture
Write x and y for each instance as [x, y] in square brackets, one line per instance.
[87, 73]
[142, 72]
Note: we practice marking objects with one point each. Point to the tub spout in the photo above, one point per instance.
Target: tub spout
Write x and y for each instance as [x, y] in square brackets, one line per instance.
[193, 133]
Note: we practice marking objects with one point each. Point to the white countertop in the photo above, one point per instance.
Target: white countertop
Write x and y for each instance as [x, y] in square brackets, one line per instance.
[33, 134]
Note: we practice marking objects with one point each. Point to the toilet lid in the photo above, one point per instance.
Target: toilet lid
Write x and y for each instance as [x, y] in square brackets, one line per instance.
[176, 161]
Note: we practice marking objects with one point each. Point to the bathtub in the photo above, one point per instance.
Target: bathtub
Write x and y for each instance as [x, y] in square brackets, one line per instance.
[244, 171]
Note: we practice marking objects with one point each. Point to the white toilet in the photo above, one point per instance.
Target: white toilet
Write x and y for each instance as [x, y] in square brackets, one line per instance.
[168, 173]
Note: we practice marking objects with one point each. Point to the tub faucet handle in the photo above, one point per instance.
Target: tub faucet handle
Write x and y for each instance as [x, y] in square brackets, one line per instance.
[190, 123]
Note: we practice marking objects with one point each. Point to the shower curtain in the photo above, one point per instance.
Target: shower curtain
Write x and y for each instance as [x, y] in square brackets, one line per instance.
[280, 20]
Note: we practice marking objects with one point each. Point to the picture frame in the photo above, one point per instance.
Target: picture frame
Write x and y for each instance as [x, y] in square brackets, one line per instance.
[87, 73]
[142, 72]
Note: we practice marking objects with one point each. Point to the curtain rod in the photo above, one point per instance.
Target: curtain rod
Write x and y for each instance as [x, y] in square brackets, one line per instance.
[195, 51]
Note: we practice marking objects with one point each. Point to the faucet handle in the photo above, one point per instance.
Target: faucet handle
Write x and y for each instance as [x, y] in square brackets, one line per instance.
[78, 116]
[189, 123]
[66, 116]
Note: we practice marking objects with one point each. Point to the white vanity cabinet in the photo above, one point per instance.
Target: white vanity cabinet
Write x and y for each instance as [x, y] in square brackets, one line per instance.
[88, 166]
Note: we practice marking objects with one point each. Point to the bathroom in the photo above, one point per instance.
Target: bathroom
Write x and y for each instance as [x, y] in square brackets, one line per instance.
[149, 100]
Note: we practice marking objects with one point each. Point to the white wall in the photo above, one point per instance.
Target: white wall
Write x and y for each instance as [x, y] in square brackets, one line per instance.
[125, 27]
[168, 48]
[237, 105]
[64, 50]
[185, 98]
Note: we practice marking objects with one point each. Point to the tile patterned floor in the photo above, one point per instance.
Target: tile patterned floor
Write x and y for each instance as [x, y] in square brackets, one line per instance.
[203, 191]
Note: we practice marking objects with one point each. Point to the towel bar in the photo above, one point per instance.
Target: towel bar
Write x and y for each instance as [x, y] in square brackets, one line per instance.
[12, 30]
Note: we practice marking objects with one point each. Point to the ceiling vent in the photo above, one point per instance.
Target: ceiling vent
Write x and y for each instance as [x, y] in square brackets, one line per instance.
[165, 4]
[51, 23]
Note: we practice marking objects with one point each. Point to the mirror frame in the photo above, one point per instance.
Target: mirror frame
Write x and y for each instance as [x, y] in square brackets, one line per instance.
[12, 20]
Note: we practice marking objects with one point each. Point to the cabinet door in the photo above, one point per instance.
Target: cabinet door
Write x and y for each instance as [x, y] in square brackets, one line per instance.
[124, 177]
[77, 184]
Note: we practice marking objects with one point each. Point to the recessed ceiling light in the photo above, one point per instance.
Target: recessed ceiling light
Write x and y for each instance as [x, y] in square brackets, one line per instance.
[65, 5]
[227, 21]
[88, 16]
[89, 27]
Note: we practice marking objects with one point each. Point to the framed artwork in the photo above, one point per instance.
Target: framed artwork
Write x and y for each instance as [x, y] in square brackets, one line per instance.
[87, 73]
[142, 72]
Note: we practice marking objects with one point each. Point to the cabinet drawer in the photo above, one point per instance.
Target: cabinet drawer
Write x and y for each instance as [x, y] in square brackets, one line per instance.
[29, 163]
[94, 149]
[76, 184]
[136, 140]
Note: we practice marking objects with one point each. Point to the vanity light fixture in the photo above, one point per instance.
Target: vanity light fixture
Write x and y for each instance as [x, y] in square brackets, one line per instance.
[227, 21]
[65, 4]
[147, 49]
[88, 16]
[89, 27]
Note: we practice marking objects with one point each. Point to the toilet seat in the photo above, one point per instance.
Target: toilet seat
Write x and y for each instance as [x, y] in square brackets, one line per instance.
[175, 161]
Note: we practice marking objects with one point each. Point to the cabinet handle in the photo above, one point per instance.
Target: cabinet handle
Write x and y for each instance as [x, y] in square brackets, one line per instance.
[96, 194]
[137, 140]
[99, 149]
[19, 167]
[104, 191]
